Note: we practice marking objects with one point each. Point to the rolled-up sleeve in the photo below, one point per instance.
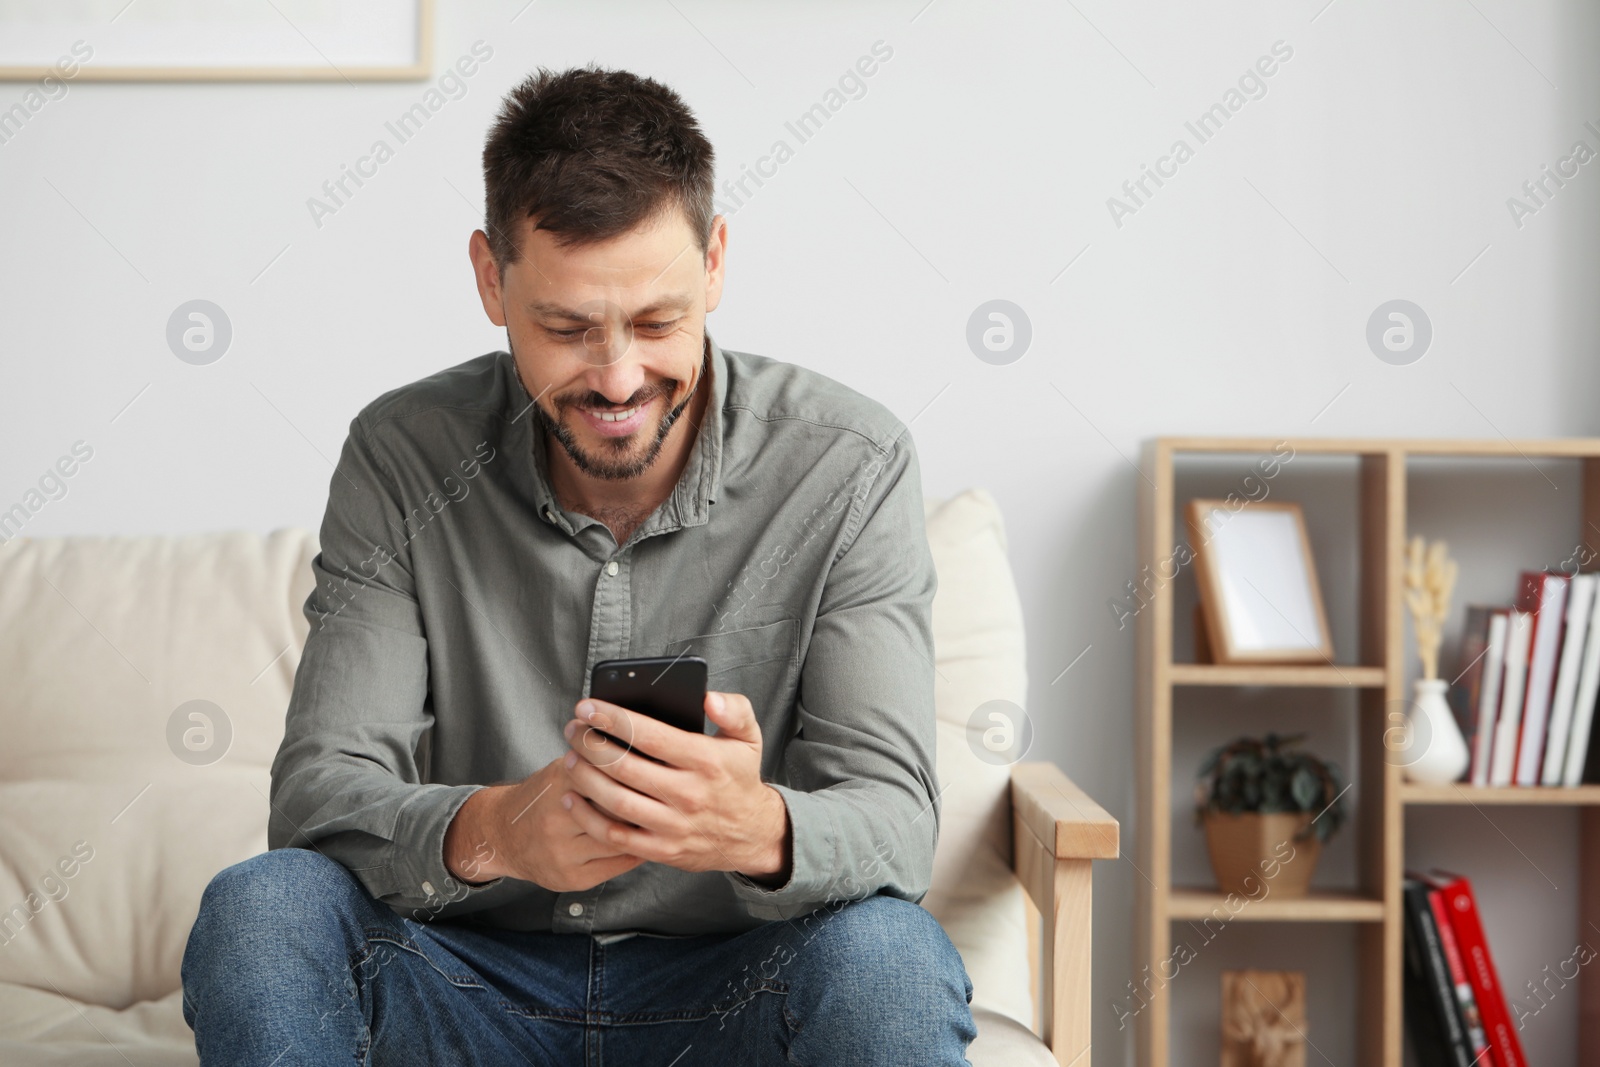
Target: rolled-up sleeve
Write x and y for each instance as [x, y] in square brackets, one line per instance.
[858, 777]
[346, 779]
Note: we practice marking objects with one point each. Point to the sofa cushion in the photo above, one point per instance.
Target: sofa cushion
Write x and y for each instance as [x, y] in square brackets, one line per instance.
[43, 1029]
[978, 657]
[101, 641]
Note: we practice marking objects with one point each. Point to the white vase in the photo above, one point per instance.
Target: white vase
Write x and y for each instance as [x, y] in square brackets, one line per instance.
[1435, 752]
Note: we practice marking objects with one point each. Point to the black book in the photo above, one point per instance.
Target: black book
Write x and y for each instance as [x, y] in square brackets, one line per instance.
[1433, 1014]
[1591, 762]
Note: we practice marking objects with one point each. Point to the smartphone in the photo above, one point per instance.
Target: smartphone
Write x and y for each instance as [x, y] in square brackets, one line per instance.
[670, 689]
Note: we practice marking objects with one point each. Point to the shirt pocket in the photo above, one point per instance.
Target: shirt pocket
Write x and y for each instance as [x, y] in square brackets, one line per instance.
[761, 662]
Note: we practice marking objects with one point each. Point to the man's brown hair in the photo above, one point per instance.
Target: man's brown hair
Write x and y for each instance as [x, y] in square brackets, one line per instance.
[593, 153]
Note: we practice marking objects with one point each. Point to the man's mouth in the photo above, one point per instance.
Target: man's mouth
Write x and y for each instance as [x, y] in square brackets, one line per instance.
[616, 423]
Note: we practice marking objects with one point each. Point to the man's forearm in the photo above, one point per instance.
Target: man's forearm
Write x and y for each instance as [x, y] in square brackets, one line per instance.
[774, 866]
[471, 852]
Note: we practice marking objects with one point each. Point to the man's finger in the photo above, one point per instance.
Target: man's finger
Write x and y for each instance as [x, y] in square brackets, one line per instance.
[604, 830]
[650, 736]
[647, 776]
[615, 800]
[734, 716]
[603, 870]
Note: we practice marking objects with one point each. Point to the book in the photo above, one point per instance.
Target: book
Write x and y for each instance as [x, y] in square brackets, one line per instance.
[1584, 702]
[1542, 594]
[1476, 687]
[1580, 605]
[1422, 1027]
[1591, 765]
[1431, 995]
[1466, 999]
[1505, 1048]
[1508, 720]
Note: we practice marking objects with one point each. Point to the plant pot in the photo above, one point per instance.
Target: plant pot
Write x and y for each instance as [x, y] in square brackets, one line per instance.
[1258, 855]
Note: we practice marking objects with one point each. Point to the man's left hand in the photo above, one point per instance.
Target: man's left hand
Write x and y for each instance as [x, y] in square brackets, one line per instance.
[703, 807]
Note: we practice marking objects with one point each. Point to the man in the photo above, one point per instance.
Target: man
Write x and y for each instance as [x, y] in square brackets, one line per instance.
[463, 869]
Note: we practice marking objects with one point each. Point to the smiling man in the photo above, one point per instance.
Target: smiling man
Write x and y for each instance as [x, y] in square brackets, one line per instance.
[463, 870]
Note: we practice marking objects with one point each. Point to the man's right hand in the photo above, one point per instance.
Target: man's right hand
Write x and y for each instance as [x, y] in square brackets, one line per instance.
[522, 831]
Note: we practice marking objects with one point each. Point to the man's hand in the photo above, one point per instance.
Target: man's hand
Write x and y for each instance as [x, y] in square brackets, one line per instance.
[703, 807]
[523, 831]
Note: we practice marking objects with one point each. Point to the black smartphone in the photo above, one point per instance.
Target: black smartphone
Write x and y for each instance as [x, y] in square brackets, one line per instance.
[670, 689]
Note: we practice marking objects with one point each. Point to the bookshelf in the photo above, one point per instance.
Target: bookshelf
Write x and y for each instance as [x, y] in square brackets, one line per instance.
[1375, 678]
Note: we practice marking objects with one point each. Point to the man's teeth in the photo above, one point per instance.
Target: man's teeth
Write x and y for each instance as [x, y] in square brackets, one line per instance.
[616, 416]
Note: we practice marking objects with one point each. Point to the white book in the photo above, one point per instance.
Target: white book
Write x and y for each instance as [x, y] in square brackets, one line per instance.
[1494, 662]
[1583, 705]
[1580, 603]
[1548, 611]
[1508, 727]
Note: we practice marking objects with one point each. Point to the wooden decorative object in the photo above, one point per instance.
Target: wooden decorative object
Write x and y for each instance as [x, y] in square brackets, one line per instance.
[1257, 583]
[1263, 1019]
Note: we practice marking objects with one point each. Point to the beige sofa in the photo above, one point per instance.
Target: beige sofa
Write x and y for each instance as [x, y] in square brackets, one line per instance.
[108, 836]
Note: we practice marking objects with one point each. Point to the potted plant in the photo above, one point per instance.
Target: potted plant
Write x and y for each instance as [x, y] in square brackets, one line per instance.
[1267, 809]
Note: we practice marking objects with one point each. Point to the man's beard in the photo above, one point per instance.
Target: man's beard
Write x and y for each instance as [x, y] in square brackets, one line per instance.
[614, 465]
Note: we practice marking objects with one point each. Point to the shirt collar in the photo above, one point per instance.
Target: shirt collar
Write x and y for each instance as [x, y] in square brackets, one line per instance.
[698, 485]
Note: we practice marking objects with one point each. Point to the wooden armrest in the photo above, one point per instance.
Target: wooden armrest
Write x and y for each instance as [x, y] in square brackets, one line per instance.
[1062, 816]
[1057, 834]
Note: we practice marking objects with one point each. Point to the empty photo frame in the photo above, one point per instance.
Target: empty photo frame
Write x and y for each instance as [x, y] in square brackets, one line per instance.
[1258, 586]
[215, 40]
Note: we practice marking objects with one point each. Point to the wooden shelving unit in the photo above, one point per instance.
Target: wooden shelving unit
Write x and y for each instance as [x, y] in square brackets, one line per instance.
[1331, 676]
[1378, 677]
[1509, 795]
[1201, 904]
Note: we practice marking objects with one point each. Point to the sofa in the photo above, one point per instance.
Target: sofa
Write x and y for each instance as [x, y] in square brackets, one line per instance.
[145, 684]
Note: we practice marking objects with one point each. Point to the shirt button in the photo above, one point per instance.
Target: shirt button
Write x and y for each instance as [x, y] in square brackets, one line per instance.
[574, 910]
[611, 568]
[550, 514]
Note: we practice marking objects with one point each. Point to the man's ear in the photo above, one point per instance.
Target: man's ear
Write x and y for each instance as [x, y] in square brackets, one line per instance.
[487, 273]
[716, 261]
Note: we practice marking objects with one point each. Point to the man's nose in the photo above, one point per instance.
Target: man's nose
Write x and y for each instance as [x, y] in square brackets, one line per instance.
[618, 381]
[609, 338]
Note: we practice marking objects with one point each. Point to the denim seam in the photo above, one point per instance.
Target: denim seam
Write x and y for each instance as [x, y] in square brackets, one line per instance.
[649, 1018]
[460, 981]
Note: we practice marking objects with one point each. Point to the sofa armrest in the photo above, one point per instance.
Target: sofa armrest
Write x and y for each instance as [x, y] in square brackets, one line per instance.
[1063, 817]
[1057, 833]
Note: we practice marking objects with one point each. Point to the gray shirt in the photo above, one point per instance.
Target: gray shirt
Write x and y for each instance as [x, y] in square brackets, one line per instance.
[458, 611]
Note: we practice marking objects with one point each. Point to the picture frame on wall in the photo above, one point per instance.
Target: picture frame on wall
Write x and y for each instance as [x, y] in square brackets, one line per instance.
[216, 40]
[1260, 598]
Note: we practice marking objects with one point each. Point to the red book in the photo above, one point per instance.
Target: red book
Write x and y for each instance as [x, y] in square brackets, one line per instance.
[1465, 923]
[1471, 1016]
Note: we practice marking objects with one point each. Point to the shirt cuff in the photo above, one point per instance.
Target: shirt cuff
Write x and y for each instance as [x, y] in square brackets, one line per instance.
[813, 870]
[418, 882]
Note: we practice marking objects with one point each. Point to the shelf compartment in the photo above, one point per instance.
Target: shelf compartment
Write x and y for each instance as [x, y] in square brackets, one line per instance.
[1317, 906]
[1340, 676]
[1459, 793]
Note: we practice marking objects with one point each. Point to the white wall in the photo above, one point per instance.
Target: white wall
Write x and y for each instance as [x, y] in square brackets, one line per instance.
[976, 166]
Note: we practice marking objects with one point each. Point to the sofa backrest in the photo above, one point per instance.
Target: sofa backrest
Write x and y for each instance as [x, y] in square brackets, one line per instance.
[108, 836]
[145, 684]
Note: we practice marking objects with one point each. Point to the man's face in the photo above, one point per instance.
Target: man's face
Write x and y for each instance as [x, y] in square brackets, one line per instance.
[608, 337]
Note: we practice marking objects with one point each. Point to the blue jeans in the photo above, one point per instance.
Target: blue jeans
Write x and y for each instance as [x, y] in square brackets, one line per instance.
[291, 962]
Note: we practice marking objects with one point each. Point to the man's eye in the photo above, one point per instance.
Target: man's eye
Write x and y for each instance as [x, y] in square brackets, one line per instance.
[655, 327]
[565, 335]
